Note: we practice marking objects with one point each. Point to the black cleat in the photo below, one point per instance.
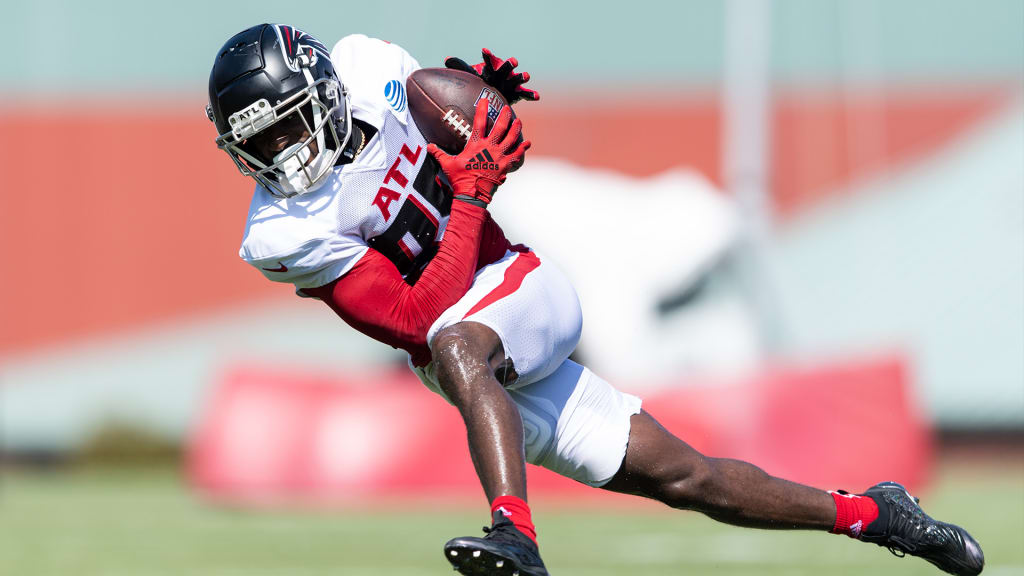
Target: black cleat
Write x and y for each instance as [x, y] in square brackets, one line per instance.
[904, 528]
[505, 551]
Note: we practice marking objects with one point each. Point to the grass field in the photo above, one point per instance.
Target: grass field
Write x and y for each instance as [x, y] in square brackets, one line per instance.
[132, 522]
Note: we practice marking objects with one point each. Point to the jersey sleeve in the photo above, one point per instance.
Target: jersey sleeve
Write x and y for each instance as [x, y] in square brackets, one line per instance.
[366, 66]
[355, 51]
[297, 241]
[310, 264]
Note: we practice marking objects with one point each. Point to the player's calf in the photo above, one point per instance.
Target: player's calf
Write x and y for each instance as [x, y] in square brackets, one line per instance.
[660, 466]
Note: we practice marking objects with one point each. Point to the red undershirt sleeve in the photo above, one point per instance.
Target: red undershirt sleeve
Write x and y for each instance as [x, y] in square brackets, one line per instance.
[374, 299]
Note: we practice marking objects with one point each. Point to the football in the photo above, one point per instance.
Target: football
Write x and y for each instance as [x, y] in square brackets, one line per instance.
[442, 102]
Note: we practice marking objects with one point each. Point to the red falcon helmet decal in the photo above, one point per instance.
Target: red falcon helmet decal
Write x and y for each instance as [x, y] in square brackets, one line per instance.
[295, 43]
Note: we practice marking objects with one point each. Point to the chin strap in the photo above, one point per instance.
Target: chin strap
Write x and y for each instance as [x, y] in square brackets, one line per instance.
[351, 149]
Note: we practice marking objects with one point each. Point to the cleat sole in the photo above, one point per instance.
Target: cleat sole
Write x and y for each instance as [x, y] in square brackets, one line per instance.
[477, 562]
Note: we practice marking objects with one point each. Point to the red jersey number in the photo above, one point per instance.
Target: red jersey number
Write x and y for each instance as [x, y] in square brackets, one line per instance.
[410, 242]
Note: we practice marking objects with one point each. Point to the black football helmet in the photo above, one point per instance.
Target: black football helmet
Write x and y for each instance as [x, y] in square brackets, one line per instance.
[280, 110]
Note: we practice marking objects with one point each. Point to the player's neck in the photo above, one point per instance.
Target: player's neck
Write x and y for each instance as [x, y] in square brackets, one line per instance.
[361, 134]
[356, 143]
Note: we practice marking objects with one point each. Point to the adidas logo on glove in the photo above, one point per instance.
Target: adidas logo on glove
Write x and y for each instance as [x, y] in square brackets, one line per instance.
[484, 161]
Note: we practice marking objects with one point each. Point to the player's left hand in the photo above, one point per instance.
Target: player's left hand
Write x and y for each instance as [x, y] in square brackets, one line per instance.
[498, 73]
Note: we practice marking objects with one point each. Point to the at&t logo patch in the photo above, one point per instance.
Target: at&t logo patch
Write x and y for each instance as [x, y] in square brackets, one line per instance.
[394, 93]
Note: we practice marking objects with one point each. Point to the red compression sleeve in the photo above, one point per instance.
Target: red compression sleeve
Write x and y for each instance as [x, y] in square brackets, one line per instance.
[374, 299]
[493, 243]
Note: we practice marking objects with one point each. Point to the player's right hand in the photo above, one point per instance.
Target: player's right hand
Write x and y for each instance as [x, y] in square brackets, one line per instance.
[482, 165]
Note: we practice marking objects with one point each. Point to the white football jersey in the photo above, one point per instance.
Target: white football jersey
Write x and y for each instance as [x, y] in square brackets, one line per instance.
[390, 198]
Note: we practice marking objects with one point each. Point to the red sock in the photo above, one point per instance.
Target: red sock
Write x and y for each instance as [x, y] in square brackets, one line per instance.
[853, 513]
[518, 511]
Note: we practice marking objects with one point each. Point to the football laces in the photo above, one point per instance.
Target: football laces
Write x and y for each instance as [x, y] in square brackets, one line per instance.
[460, 126]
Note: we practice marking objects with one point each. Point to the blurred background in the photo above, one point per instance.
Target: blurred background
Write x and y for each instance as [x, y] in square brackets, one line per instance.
[796, 227]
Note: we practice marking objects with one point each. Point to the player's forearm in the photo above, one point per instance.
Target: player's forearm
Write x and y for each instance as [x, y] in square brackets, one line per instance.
[455, 261]
[374, 299]
[450, 272]
[493, 244]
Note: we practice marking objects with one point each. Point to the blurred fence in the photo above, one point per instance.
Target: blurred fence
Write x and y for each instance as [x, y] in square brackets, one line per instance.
[272, 437]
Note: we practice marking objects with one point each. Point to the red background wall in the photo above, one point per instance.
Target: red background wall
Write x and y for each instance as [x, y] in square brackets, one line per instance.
[117, 216]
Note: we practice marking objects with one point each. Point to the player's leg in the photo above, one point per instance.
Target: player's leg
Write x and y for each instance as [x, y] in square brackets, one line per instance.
[515, 325]
[467, 356]
[660, 466]
[581, 427]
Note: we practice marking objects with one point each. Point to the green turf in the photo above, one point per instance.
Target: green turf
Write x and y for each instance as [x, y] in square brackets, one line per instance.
[116, 523]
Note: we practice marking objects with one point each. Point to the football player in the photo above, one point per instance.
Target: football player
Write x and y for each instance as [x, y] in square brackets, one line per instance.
[353, 207]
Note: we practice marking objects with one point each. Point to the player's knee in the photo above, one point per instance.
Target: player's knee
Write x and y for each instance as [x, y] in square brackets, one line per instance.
[462, 354]
[456, 346]
[690, 488]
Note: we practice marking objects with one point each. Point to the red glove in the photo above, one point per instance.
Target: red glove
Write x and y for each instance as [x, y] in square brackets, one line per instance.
[499, 74]
[482, 165]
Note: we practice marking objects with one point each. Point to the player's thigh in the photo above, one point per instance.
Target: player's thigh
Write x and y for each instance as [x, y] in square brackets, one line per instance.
[530, 305]
[575, 423]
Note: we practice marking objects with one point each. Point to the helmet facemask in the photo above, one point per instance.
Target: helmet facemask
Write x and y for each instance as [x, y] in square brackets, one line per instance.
[313, 125]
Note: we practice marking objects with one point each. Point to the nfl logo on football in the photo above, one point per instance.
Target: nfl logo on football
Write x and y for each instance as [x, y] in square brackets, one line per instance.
[494, 103]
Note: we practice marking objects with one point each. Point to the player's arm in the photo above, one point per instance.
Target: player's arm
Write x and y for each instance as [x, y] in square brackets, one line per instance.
[373, 297]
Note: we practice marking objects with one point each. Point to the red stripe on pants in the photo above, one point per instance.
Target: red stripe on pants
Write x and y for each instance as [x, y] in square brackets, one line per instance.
[514, 274]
